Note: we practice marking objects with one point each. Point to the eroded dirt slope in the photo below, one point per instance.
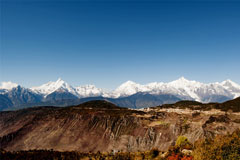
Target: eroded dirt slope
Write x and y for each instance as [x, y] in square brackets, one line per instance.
[101, 126]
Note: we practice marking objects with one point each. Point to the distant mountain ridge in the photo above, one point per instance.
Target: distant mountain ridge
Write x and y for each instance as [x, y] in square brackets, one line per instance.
[128, 94]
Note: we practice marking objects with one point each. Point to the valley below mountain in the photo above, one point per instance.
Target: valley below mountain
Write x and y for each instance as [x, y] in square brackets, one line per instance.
[102, 126]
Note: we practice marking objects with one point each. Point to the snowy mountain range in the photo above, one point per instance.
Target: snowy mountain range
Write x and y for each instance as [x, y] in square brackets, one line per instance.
[60, 85]
[180, 89]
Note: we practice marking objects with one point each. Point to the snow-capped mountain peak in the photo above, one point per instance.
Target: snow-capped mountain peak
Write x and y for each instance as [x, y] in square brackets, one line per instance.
[128, 85]
[89, 91]
[129, 88]
[231, 86]
[61, 84]
[182, 79]
[183, 82]
[8, 85]
[228, 82]
[50, 87]
[59, 80]
[184, 88]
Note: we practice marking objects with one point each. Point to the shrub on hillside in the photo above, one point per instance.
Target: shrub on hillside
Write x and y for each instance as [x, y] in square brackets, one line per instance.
[154, 153]
[183, 143]
[220, 148]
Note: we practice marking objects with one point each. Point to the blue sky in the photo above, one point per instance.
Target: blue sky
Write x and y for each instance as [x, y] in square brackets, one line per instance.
[106, 43]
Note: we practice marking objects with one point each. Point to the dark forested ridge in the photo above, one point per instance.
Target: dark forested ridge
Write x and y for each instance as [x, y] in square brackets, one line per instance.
[231, 105]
